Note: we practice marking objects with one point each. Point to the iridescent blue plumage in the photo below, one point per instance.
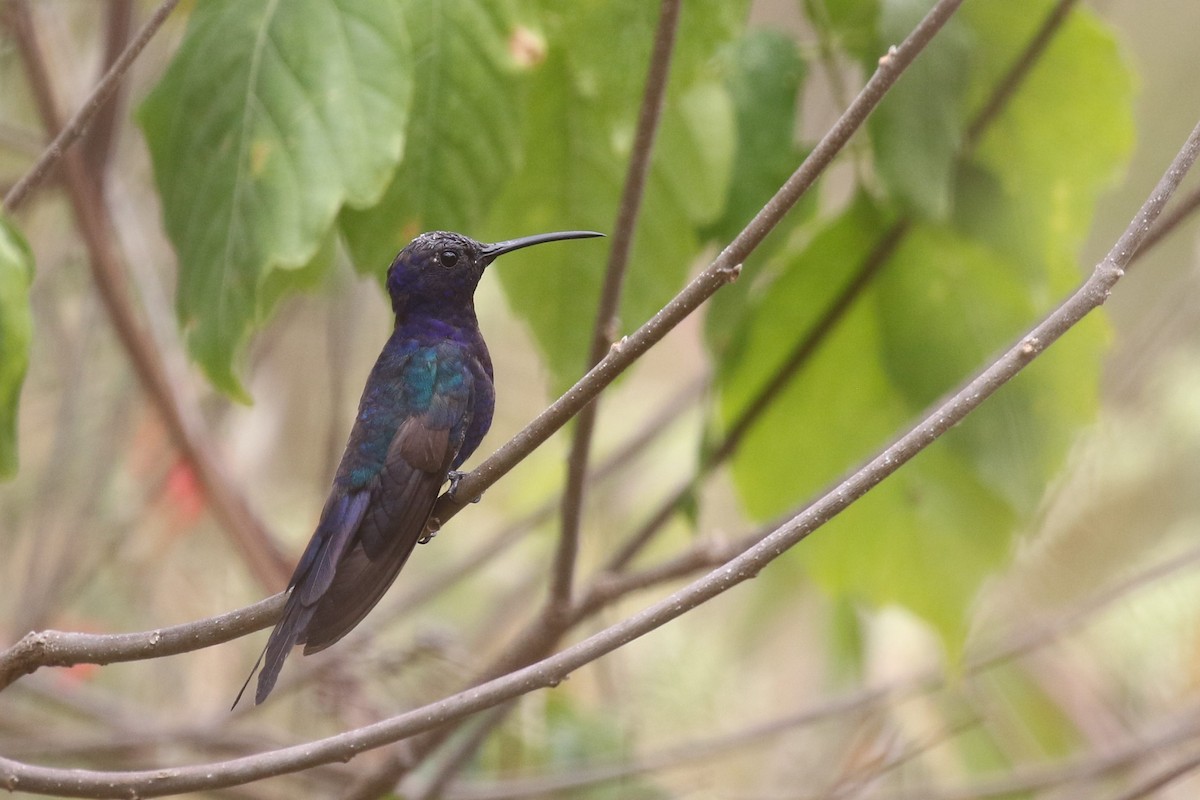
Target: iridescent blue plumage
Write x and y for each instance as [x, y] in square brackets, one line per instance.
[427, 404]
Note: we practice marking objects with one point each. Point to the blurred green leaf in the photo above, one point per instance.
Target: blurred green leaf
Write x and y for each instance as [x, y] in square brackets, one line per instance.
[949, 296]
[849, 25]
[765, 75]
[16, 331]
[280, 283]
[465, 131]
[271, 117]
[842, 405]
[579, 133]
[917, 129]
[1066, 133]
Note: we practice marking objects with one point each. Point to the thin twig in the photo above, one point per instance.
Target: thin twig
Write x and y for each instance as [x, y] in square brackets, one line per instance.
[1161, 779]
[65, 649]
[604, 331]
[67, 134]
[676, 756]
[1027, 638]
[1017, 73]
[421, 592]
[762, 400]
[98, 143]
[1179, 212]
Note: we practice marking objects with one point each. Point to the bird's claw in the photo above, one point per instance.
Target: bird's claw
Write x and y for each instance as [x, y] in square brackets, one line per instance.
[431, 530]
[455, 479]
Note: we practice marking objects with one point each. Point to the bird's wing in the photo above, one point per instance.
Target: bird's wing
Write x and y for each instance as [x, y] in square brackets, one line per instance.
[367, 532]
[405, 494]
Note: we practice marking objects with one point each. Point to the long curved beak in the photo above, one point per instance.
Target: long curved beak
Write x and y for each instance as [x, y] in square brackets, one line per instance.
[492, 251]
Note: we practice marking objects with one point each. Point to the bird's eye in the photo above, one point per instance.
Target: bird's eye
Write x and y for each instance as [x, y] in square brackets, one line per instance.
[448, 258]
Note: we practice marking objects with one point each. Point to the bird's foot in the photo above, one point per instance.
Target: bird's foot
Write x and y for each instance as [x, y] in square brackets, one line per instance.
[455, 479]
[432, 526]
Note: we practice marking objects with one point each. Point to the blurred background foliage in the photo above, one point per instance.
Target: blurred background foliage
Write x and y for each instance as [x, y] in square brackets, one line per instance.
[268, 161]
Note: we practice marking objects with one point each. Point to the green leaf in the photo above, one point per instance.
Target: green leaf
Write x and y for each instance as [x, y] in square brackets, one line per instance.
[849, 25]
[951, 294]
[765, 74]
[917, 129]
[841, 405]
[16, 331]
[280, 283]
[925, 539]
[1064, 135]
[465, 131]
[271, 117]
[579, 131]
[945, 304]
[929, 535]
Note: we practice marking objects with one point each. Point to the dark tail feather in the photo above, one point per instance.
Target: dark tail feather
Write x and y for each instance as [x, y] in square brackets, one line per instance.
[249, 677]
[287, 632]
[312, 578]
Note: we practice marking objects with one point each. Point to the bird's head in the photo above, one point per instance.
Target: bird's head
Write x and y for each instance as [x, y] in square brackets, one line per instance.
[441, 269]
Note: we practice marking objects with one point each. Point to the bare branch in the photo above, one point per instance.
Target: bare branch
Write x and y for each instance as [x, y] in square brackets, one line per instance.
[462, 753]
[1165, 226]
[1163, 778]
[59, 649]
[98, 143]
[1018, 72]
[606, 324]
[64, 649]
[67, 134]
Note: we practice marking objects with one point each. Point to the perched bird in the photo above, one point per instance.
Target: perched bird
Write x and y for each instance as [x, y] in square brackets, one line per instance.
[426, 406]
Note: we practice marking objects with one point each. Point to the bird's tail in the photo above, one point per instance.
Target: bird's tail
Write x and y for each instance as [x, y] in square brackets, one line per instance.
[287, 633]
[249, 677]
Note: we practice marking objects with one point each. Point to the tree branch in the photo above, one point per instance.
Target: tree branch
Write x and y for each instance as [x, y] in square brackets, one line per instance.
[59, 649]
[67, 134]
[1017, 73]
[607, 323]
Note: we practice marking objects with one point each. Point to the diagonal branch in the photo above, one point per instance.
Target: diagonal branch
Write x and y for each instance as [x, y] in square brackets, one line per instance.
[67, 134]
[550, 671]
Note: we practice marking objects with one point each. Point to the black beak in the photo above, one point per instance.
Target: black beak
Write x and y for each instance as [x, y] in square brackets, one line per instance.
[492, 251]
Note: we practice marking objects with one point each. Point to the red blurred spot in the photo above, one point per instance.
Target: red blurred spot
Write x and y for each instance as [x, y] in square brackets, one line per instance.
[184, 495]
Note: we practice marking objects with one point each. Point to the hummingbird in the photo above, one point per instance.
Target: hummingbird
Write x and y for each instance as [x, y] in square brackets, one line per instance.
[427, 404]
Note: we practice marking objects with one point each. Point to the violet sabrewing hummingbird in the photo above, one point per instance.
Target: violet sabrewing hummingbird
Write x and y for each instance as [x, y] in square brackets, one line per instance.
[426, 406]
